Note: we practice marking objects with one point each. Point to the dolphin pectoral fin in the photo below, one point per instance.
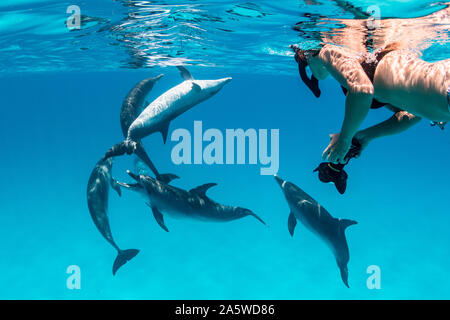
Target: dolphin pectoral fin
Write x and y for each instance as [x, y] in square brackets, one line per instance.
[345, 223]
[201, 190]
[116, 186]
[196, 87]
[123, 257]
[167, 177]
[185, 74]
[164, 131]
[292, 222]
[159, 217]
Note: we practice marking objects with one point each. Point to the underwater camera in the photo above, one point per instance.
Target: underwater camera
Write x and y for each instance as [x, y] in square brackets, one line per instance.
[335, 173]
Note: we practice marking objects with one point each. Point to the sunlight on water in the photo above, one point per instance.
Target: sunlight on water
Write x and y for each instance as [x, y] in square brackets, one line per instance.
[141, 34]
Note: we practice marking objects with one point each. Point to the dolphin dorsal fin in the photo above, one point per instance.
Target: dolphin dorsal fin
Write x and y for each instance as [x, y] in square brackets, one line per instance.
[167, 177]
[164, 129]
[345, 223]
[196, 87]
[185, 74]
[201, 190]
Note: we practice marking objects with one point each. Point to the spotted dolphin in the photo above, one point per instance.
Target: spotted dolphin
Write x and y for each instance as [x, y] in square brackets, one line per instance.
[179, 203]
[314, 217]
[157, 115]
[97, 198]
[132, 106]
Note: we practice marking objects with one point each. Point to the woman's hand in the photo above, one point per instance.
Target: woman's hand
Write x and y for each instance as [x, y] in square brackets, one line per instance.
[337, 149]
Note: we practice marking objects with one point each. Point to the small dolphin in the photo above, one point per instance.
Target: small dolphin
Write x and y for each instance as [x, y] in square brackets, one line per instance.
[181, 203]
[314, 217]
[132, 106]
[97, 199]
[158, 114]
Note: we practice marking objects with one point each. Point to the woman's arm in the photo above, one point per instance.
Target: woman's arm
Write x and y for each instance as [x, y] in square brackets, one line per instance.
[356, 108]
[347, 70]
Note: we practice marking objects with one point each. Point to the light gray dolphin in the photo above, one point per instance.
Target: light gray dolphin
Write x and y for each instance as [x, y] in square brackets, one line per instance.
[158, 114]
[97, 198]
[314, 217]
[179, 203]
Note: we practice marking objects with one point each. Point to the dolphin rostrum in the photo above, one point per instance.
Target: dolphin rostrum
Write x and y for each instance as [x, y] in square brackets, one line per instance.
[158, 114]
[97, 199]
[314, 217]
[179, 203]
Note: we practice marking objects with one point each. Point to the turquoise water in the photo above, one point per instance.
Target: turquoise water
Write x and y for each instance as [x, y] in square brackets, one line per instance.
[62, 92]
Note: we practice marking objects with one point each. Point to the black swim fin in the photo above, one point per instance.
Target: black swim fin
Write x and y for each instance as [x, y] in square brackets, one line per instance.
[313, 83]
[327, 175]
[123, 257]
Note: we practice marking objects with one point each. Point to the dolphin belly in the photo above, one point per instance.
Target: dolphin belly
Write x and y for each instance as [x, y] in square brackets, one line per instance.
[164, 109]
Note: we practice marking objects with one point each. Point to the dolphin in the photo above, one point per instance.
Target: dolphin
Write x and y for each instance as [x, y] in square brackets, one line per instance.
[314, 217]
[97, 198]
[133, 103]
[180, 203]
[158, 114]
[132, 106]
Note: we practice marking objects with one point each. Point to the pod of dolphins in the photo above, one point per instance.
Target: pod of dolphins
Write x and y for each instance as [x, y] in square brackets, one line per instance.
[166, 199]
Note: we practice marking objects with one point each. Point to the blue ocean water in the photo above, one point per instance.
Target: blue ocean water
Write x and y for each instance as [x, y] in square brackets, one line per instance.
[61, 96]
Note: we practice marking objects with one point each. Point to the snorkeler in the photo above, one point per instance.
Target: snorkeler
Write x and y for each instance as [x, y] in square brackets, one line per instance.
[390, 76]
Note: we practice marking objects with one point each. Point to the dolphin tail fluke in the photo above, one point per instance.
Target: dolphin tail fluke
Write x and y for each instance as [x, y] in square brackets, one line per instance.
[344, 274]
[120, 149]
[123, 257]
[257, 217]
